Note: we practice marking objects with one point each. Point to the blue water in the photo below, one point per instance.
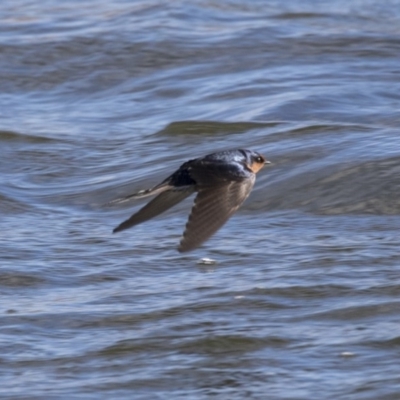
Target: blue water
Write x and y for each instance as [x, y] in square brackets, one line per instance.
[100, 99]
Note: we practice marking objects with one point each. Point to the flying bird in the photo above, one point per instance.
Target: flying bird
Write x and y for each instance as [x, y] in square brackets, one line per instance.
[222, 181]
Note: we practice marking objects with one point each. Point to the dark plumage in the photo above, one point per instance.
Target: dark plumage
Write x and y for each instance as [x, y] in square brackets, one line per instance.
[222, 181]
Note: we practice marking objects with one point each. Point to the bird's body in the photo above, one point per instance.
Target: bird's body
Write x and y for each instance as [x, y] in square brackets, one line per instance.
[222, 181]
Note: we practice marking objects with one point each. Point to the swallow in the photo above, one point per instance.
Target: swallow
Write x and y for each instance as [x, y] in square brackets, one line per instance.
[222, 181]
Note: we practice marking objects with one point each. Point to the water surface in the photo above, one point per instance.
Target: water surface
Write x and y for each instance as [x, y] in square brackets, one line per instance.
[100, 99]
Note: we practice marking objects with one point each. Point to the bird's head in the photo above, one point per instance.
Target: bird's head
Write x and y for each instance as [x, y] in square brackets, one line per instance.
[255, 161]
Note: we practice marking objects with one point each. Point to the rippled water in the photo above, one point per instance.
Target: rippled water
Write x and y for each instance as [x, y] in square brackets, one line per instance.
[99, 99]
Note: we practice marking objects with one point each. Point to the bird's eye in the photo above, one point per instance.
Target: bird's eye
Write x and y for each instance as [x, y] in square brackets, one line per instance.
[259, 159]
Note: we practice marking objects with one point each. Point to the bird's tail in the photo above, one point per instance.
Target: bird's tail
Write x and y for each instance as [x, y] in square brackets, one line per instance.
[162, 187]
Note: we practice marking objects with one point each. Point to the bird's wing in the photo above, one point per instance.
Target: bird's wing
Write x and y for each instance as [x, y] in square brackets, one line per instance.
[158, 205]
[213, 206]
